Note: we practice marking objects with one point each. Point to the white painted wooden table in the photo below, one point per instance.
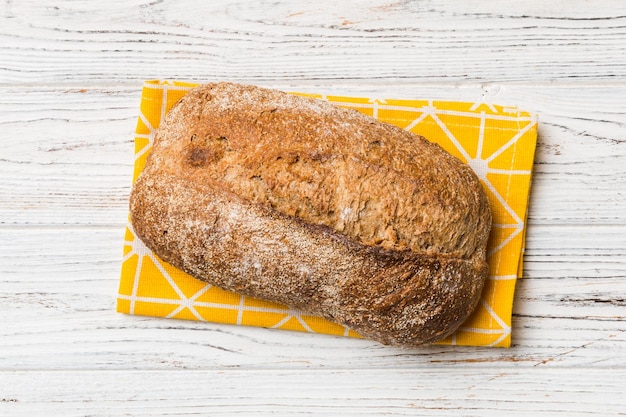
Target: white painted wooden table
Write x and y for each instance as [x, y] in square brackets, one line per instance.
[70, 79]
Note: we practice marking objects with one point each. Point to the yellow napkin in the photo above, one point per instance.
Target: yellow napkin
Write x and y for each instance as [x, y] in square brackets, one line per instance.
[498, 143]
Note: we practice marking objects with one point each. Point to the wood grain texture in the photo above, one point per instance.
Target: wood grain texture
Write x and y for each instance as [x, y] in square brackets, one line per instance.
[70, 81]
[432, 392]
[324, 41]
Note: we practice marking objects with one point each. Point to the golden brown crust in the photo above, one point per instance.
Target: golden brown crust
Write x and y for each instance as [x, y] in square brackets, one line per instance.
[296, 201]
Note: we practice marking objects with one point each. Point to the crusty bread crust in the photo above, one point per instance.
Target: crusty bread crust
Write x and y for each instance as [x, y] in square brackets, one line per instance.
[294, 200]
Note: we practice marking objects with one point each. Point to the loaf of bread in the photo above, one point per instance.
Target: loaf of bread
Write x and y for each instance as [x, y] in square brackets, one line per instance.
[293, 200]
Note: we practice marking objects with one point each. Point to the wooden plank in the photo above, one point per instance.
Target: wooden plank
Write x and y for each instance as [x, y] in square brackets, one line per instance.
[125, 42]
[437, 391]
[69, 154]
